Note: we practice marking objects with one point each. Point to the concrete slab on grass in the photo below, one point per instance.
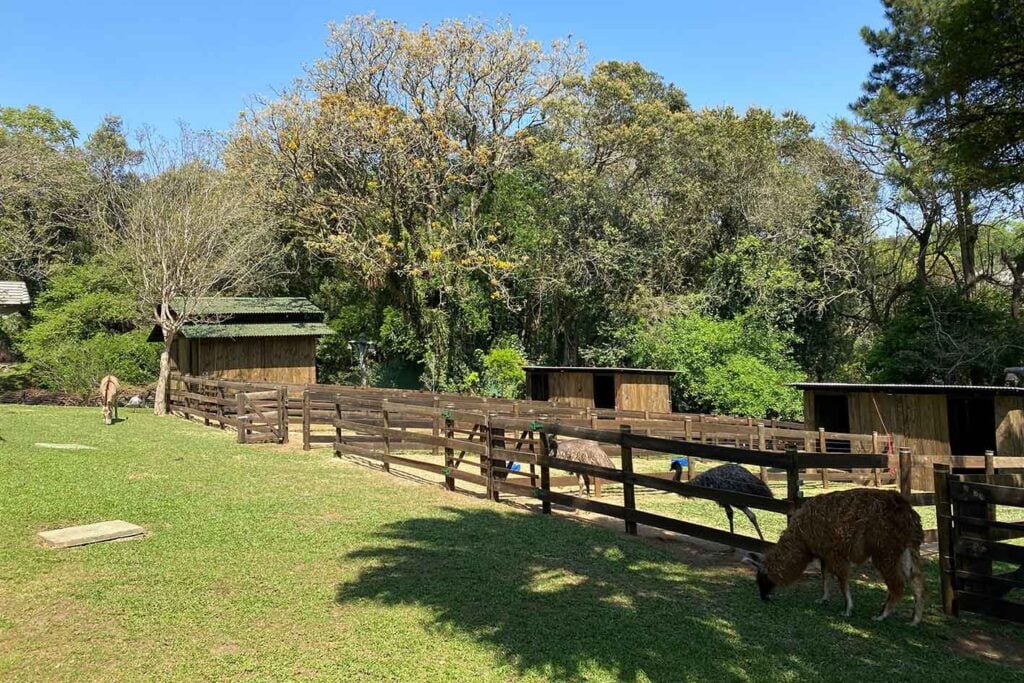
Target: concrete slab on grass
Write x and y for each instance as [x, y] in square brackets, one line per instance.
[91, 533]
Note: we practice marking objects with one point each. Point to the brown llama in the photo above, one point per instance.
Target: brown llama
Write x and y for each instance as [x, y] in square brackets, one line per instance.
[849, 527]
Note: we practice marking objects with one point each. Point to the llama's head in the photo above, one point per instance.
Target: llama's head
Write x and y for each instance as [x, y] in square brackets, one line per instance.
[108, 417]
[552, 445]
[764, 583]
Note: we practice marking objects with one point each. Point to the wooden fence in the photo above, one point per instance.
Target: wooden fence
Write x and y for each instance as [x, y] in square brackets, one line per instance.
[972, 542]
[358, 421]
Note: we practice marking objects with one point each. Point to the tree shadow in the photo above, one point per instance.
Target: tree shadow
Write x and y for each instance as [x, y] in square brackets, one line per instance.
[570, 601]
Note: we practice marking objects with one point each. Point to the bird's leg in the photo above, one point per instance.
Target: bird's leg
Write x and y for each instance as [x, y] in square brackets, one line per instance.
[753, 520]
[728, 513]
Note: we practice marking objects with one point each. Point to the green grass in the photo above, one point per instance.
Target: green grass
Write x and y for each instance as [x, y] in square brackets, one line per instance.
[269, 563]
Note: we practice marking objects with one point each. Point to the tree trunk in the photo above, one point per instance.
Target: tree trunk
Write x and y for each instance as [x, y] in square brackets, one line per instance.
[163, 380]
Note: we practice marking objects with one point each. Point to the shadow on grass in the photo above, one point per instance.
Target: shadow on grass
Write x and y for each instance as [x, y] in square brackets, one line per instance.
[569, 601]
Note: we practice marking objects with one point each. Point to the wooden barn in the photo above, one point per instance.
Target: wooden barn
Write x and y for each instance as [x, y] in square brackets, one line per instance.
[928, 419]
[256, 339]
[609, 388]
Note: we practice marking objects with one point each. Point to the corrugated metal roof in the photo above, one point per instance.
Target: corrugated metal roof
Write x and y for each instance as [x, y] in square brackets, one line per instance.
[251, 305]
[908, 388]
[14, 293]
[240, 330]
[571, 368]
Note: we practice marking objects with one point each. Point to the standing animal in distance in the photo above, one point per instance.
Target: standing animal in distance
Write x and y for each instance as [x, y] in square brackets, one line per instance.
[849, 527]
[730, 477]
[580, 450]
[109, 389]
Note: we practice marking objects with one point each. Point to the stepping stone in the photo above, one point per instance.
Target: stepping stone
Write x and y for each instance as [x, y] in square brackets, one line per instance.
[115, 530]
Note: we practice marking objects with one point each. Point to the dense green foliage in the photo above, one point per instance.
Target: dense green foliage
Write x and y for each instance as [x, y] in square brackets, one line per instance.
[85, 326]
[590, 216]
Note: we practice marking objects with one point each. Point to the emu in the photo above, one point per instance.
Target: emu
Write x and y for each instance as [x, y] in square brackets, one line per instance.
[583, 451]
[730, 477]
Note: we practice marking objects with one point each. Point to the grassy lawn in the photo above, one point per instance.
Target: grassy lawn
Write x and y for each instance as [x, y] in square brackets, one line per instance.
[270, 563]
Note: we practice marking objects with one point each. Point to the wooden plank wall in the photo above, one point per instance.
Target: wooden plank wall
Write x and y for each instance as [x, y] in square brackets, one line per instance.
[1009, 425]
[287, 360]
[923, 415]
[574, 389]
[642, 392]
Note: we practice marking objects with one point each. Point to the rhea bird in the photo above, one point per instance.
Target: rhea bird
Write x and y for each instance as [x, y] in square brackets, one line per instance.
[583, 451]
[729, 477]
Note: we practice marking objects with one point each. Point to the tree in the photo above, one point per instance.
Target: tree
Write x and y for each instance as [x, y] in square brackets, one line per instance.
[962, 64]
[385, 155]
[187, 232]
[44, 193]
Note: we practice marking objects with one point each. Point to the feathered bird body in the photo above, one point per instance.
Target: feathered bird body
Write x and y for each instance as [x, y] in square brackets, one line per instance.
[583, 451]
[735, 478]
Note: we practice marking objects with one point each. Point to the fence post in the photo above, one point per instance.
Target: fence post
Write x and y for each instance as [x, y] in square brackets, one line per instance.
[906, 472]
[435, 427]
[688, 435]
[822, 448]
[875, 451]
[761, 446]
[792, 478]
[337, 416]
[597, 480]
[545, 475]
[449, 452]
[282, 413]
[241, 416]
[628, 491]
[492, 491]
[387, 433]
[990, 471]
[220, 404]
[307, 417]
[943, 518]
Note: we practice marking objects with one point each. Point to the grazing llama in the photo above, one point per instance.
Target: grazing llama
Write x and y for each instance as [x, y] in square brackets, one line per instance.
[849, 527]
[109, 389]
[730, 477]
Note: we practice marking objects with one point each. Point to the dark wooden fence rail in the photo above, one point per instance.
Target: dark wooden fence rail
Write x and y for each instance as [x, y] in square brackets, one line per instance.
[972, 542]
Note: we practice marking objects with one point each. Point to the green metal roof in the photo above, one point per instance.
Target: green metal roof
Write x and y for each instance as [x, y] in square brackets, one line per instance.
[239, 305]
[239, 330]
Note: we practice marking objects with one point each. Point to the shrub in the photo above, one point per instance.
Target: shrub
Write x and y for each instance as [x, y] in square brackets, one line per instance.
[85, 325]
[728, 366]
[503, 374]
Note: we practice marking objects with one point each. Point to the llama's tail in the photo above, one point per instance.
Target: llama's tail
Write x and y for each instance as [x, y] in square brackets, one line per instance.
[910, 566]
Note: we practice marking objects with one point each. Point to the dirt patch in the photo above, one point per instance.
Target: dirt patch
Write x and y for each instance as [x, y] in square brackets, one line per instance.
[1000, 649]
[225, 649]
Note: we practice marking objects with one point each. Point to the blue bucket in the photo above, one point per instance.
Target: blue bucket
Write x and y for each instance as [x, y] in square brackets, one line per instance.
[682, 462]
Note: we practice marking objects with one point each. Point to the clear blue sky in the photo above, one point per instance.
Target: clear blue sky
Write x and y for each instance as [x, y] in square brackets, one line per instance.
[157, 62]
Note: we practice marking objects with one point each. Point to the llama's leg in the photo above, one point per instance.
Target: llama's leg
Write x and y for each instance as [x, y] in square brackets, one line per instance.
[910, 565]
[842, 578]
[893, 575]
[753, 520]
[728, 513]
[824, 583]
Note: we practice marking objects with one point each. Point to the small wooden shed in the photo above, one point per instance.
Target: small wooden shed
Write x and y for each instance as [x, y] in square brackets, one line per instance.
[928, 419]
[248, 338]
[608, 388]
[13, 297]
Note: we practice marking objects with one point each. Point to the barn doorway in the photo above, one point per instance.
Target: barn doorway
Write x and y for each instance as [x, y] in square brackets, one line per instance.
[604, 391]
[540, 389]
[832, 412]
[972, 424]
